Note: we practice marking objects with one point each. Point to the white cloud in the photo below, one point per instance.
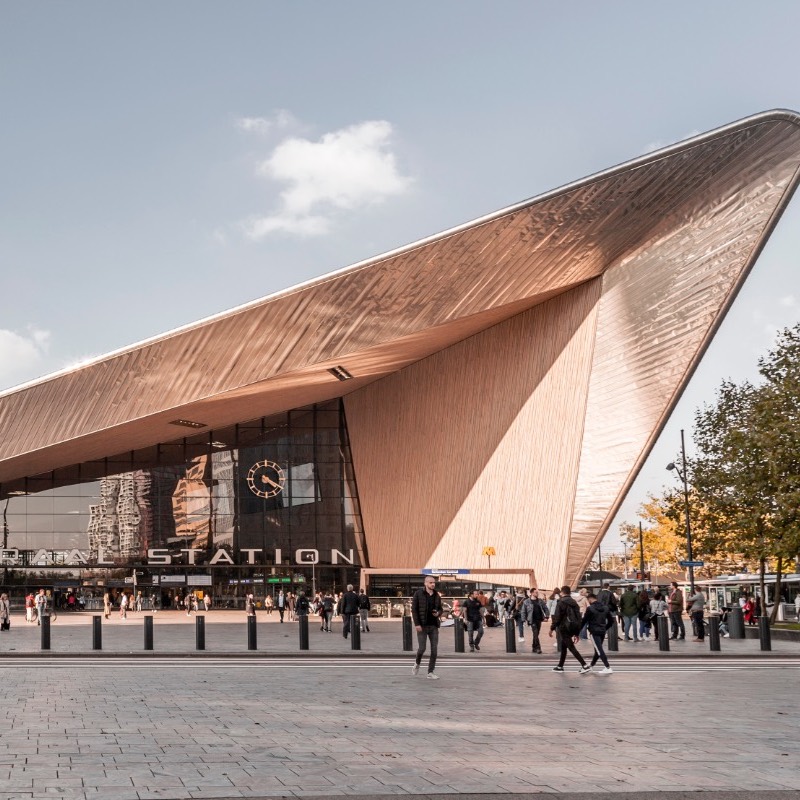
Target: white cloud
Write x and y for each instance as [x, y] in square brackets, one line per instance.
[262, 125]
[788, 301]
[20, 354]
[345, 170]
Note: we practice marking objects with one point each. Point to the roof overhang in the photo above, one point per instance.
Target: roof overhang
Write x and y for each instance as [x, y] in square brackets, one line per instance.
[381, 315]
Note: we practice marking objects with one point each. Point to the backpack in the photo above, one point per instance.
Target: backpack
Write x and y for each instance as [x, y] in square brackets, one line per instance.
[327, 604]
[571, 622]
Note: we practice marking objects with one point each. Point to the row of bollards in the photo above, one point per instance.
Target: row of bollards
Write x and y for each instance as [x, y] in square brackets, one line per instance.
[200, 633]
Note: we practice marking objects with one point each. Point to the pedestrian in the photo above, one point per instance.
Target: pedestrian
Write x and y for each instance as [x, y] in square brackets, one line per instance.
[675, 604]
[250, 605]
[658, 608]
[629, 608]
[797, 606]
[190, 602]
[123, 606]
[291, 600]
[597, 619]
[30, 606]
[644, 615]
[748, 610]
[552, 602]
[207, 601]
[138, 606]
[326, 613]
[107, 605]
[426, 613]
[696, 603]
[516, 614]
[348, 608]
[281, 604]
[568, 622]
[364, 606]
[534, 612]
[42, 606]
[269, 604]
[301, 605]
[5, 613]
[474, 620]
[583, 604]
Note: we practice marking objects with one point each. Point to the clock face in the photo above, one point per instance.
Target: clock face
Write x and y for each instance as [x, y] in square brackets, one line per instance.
[266, 479]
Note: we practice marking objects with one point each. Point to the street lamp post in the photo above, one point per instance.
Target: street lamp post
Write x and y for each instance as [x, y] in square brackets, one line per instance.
[682, 475]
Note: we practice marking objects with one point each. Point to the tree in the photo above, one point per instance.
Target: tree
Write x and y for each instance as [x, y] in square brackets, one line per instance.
[747, 472]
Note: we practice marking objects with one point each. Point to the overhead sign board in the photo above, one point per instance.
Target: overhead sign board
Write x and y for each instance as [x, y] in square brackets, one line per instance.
[692, 563]
[434, 571]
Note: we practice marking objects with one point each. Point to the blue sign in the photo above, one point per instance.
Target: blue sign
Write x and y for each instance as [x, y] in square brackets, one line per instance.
[692, 563]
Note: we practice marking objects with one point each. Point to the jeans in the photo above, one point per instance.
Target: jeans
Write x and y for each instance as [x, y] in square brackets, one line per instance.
[597, 641]
[428, 632]
[472, 626]
[567, 644]
[644, 628]
[697, 624]
[630, 623]
[520, 627]
[678, 631]
[536, 646]
[281, 611]
[364, 613]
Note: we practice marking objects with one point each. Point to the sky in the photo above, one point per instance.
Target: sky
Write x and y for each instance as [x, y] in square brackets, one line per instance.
[163, 162]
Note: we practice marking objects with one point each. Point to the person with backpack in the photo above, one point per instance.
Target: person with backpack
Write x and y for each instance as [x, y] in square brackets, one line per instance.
[326, 612]
[597, 619]
[568, 622]
[364, 606]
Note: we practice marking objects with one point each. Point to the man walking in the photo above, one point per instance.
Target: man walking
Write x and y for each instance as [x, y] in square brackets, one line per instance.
[364, 606]
[629, 606]
[474, 619]
[426, 611]
[676, 612]
[281, 604]
[534, 612]
[598, 618]
[696, 603]
[348, 608]
[568, 622]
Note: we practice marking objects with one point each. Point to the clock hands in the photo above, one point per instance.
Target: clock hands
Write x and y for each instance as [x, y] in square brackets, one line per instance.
[265, 479]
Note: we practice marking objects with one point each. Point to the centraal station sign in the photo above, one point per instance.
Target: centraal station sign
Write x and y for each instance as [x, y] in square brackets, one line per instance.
[156, 557]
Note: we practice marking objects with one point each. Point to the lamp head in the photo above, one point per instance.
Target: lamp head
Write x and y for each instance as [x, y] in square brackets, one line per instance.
[671, 466]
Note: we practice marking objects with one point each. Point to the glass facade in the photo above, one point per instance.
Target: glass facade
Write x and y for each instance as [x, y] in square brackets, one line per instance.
[258, 502]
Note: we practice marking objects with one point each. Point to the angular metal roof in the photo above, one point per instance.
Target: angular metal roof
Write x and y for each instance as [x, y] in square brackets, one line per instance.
[383, 314]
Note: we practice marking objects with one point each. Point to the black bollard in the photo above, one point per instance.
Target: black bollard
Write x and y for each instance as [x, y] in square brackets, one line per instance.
[458, 631]
[736, 622]
[148, 632]
[97, 633]
[613, 638]
[355, 632]
[713, 632]
[199, 632]
[303, 628]
[663, 633]
[251, 633]
[45, 632]
[511, 636]
[407, 637]
[764, 634]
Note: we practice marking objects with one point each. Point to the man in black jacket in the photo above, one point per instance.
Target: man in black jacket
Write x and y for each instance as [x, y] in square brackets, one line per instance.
[598, 618]
[567, 621]
[474, 620]
[348, 608]
[364, 606]
[426, 611]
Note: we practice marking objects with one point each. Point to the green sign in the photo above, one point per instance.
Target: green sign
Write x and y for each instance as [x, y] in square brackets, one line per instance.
[279, 580]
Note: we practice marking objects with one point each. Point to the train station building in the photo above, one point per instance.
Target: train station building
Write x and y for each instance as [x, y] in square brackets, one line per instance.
[475, 404]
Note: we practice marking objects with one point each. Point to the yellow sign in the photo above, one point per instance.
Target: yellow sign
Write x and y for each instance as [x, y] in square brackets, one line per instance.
[489, 551]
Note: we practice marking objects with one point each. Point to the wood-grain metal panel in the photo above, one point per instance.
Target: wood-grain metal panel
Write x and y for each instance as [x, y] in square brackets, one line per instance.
[478, 445]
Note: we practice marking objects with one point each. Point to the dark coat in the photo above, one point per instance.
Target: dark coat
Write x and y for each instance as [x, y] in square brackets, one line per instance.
[598, 617]
[419, 605]
[349, 603]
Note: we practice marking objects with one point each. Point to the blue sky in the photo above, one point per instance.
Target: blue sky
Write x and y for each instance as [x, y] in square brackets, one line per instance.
[162, 162]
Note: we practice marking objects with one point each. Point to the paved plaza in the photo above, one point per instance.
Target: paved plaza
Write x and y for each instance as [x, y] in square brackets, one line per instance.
[127, 725]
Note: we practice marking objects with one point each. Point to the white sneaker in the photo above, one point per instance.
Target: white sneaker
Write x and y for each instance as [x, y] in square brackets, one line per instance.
[584, 669]
[606, 671]
[432, 676]
[521, 639]
[415, 669]
[726, 636]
